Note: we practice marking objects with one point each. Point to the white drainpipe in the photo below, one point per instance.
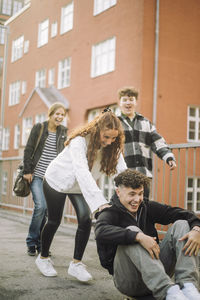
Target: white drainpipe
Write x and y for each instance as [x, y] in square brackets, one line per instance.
[155, 85]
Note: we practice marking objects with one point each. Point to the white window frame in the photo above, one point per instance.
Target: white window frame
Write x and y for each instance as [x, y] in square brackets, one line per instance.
[6, 139]
[67, 15]
[26, 46]
[103, 57]
[15, 173]
[14, 93]
[51, 77]
[196, 121]
[17, 6]
[27, 125]
[23, 87]
[1, 65]
[40, 78]
[54, 29]
[194, 190]
[7, 7]
[17, 48]
[16, 136]
[4, 183]
[102, 5]
[39, 118]
[43, 33]
[2, 35]
[64, 73]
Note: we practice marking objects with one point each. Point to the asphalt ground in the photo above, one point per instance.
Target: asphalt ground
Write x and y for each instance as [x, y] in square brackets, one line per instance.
[21, 280]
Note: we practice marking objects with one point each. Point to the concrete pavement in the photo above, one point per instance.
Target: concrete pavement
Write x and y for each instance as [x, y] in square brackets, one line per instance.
[20, 279]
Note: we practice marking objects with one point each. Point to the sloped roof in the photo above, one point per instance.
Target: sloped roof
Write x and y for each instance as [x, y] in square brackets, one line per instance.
[48, 95]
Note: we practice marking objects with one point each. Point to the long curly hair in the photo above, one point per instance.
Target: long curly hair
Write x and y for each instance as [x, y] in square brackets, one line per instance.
[110, 154]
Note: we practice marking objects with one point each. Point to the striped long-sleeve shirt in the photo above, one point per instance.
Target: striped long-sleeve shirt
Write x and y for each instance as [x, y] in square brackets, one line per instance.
[48, 154]
[141, 138]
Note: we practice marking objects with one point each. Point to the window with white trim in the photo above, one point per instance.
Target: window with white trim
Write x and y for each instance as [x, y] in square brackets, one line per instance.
[7, 7]
[40, 78]
[193, 194]
[27, 124]
[103, 57]
[16, 136]
[26, 46]
[17, 48]
[102, 5]
[64, 70]
[39, 118]
[51, 76]
[1, 65]
[193, 133]
[6, 139]
[43, 33]
[2, 35]
[17, 5]
[24, 86]
[54, 29]
[14, 93]
[13, 181]
[4, 183]
[67, 13]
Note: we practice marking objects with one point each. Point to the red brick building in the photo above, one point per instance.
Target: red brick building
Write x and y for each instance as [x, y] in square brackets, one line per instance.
[89, 49]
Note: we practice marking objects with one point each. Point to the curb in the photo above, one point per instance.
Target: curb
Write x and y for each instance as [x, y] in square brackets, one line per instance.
[68, 228]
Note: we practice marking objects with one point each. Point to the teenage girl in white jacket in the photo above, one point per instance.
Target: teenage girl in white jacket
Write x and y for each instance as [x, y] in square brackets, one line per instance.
[92, 150]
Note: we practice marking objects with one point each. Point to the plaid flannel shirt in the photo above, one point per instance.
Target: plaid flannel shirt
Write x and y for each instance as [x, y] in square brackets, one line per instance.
[140, 140]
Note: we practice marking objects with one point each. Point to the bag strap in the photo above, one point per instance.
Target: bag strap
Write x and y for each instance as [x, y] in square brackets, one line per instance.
[38, 140]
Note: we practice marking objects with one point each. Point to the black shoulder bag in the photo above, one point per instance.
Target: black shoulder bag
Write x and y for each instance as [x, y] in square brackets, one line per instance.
[21, 186]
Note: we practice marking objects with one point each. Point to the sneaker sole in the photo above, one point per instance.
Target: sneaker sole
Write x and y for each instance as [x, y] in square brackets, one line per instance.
[46, 274]
[31, 254]
[82, 280]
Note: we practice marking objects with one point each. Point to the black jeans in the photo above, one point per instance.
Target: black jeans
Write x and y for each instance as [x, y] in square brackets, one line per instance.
[55, 205]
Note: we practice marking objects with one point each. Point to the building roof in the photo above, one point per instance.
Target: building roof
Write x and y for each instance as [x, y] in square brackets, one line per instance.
[48, 95]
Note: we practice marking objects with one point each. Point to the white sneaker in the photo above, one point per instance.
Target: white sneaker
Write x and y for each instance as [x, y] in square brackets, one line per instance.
[174, 293]
[79, 271]
[45, 266]
[190, 291]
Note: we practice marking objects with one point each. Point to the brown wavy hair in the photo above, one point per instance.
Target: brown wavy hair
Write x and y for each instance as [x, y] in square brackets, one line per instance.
[110, 154]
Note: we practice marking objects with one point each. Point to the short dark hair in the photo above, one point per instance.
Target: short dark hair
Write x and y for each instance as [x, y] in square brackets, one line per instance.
[128, 91]
[131, 178]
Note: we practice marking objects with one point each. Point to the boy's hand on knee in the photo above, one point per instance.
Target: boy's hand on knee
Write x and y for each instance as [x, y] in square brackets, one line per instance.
[149, 243]
[192, 245]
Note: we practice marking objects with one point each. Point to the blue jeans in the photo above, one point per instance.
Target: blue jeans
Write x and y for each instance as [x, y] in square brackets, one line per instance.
[39, 213]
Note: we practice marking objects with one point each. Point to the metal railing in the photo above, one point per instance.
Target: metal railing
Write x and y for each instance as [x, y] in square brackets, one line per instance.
[170, 187]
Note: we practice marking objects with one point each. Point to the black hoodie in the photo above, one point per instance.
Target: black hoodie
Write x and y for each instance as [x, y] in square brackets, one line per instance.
[111, 231]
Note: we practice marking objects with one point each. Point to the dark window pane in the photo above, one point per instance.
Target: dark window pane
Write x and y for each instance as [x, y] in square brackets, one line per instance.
[191, 135]
[192, 112]
[190, 182]
[189, 206]
[189, 196]
[192, 125]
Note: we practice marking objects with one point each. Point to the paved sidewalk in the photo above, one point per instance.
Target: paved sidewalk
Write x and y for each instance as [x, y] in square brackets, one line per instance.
[20, 279]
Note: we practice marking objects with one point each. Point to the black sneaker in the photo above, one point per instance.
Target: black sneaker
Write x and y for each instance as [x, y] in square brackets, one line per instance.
[31, 251]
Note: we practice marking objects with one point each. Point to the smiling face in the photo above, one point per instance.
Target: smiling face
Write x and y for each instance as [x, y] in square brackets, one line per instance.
[107, 137]
[57, 117]
[128, 105]
[130, 198]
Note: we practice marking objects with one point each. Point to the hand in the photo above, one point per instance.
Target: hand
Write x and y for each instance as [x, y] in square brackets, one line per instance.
[192, 245]
[149, 243]
[28, 177]
[103, 206]
[172, 164]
